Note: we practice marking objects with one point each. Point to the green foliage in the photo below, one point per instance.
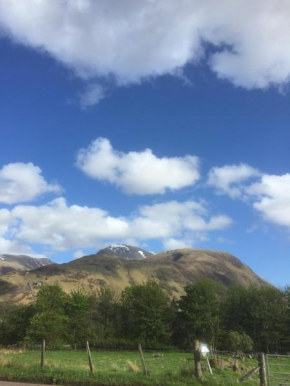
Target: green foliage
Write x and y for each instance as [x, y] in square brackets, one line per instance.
[146, 313]
[49, 322]
[77, 323]
[14, 322]
[260, 312]
[51, 298]
[47, 325]
[199, 309]
[238, 341]
[104, 314]
[238, 319]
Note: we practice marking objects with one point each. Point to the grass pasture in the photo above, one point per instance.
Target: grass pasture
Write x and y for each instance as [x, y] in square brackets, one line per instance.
[112, 368]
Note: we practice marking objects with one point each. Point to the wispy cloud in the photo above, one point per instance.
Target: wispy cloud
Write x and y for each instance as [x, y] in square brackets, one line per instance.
[92, 95]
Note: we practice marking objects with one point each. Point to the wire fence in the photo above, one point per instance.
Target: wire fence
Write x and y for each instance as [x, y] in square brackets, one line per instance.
[278, 369]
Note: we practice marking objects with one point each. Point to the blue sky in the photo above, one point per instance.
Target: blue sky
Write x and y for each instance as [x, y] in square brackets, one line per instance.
[80, 107]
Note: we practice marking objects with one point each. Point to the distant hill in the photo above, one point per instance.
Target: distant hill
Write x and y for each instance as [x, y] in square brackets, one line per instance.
[126, 252]
[10, 263]
[172, 269]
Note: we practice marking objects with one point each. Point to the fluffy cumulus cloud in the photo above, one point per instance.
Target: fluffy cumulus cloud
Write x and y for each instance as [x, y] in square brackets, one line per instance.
[63, 227]
[9, 244]
[137, 172]
[272, 198]
[132, 40]
[268, 194]
[22, 182]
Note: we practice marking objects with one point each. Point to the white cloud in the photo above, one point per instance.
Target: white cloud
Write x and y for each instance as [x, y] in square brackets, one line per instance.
[5, 221]
[272, 198]
[228, 179]
[172, 218]
[78, 254]
[137, 172]
[132, 40]
[268, 194]
[9, 244]
[92, 95]
[22, 182]
[171, 244]
[64, 227]
[13, 247]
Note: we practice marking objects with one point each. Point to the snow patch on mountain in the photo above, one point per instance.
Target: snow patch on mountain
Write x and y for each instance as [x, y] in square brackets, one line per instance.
[142, 254]
[126, 252]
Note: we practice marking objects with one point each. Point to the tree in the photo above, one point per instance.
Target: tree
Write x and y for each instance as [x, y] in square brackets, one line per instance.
[146, 313]
[238, 342]
[76, 310]
[105, 314]
[260, 312]
[49, 322]
[14, 322]
[199, 309]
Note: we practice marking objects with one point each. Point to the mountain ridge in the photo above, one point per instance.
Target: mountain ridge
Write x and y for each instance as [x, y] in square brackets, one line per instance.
[172, 269]
[10, 263]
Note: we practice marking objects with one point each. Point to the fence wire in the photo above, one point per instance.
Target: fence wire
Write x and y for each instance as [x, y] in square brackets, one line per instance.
[278, 369]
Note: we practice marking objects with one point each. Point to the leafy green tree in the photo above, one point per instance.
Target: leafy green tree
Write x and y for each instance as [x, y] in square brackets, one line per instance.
[77, 312]
[260, 312]
[200, 311]
[50, 321]
[146, 313]
[105, 314]
[14, 322]
[238, 341]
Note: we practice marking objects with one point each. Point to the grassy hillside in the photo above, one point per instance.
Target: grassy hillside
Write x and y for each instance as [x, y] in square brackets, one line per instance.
[173, 269]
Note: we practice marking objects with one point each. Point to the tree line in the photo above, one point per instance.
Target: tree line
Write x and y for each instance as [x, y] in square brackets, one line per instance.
[255, 318]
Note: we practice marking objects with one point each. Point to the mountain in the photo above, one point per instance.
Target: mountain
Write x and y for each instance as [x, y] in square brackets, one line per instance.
[10, 263]
[126, 252]
[172, 269]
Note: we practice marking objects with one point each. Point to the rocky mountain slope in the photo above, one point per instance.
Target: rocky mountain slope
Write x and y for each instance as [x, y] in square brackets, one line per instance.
[173, 270]
[126, 252]
[10, 263]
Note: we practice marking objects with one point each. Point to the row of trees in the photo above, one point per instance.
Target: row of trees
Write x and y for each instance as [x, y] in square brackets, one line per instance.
[237, 318]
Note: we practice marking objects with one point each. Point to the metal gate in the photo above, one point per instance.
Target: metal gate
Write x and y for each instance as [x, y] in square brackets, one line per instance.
[278, 370]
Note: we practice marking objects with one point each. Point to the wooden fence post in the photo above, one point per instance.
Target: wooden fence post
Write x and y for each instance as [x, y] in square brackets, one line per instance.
[42, 361]
[142, 360]
[197, 361]
[262, 369]
[90, 358]
[208, 366]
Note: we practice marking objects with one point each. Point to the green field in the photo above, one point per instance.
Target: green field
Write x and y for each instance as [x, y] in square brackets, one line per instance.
[113, 368]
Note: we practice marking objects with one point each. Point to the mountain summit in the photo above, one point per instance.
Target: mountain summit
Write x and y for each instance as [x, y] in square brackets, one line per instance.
[126, 252]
